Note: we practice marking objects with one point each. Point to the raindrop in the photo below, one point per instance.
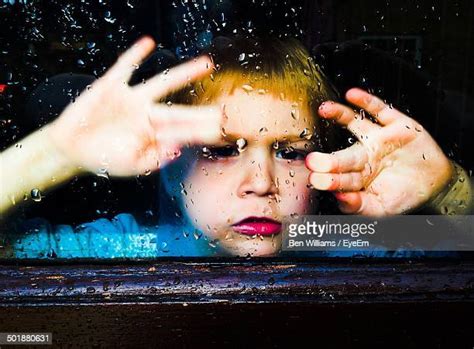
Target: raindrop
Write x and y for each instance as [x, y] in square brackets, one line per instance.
[306, 134]
[294, 114]
[103, 173]
[292, 173]
[241, 57]
[164, 247]
[247, 88]
[36, 195]
[263, 130]
[173, 154]
[108, 17]
[351, 140]
[206, 152]
[241, 144]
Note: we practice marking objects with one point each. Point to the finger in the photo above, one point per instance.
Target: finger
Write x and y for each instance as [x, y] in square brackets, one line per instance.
[156, 157]
[383, 113]
[393, 137]
[129, 60]
[350, 181]
[345, 116]
[184, 124]
[176, 78]
[360, 202]
[351, 159]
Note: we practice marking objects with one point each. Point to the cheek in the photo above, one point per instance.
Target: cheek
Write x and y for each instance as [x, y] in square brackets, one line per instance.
[208, 192]
[295, 196]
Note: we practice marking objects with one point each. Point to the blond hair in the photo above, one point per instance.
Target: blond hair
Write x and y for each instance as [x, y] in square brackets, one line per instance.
[281, 67]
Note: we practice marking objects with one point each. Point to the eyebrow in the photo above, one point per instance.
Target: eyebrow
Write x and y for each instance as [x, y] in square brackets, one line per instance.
[290, 138]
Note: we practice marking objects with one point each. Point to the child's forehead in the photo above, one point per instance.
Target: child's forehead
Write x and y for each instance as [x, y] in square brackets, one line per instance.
[255, 114]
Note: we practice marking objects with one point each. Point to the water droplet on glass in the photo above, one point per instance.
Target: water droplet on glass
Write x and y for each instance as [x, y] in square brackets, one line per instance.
[247, 88]
[108, 17]
[103, 173]
[306, 134]
[292, 173]
[36, 195]
[263, 130]
[164, 247]
[241, 144]
[294, 114]
[206, 152]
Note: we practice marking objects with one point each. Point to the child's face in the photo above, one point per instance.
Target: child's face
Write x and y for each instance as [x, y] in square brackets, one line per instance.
[252, 173]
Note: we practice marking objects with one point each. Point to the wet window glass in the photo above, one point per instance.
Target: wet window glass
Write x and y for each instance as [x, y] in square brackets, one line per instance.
[144, 129]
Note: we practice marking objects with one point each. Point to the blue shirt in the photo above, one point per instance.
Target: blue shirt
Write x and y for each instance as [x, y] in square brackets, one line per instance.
[120, 237]
[123, 237]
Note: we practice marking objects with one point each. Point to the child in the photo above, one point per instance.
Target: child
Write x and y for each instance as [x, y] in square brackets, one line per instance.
[238, 146]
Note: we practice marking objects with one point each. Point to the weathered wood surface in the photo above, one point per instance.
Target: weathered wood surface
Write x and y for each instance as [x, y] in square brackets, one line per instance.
[237, 282]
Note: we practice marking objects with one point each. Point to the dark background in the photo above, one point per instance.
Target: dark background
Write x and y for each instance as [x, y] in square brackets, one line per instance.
[415, 54]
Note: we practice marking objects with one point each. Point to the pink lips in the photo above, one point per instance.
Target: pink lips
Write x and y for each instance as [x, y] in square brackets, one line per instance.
[257, 225]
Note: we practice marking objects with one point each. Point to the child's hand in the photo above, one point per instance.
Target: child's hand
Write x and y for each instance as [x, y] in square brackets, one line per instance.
[121, 129]
[394, 167]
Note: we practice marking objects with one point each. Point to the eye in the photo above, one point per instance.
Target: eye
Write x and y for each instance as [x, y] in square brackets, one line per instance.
[291, 154]
[213, 153]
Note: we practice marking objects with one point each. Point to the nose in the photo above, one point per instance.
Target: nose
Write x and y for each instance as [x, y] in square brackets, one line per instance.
[258, 175]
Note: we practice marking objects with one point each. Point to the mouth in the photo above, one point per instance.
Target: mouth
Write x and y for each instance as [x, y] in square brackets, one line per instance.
[257, 225]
